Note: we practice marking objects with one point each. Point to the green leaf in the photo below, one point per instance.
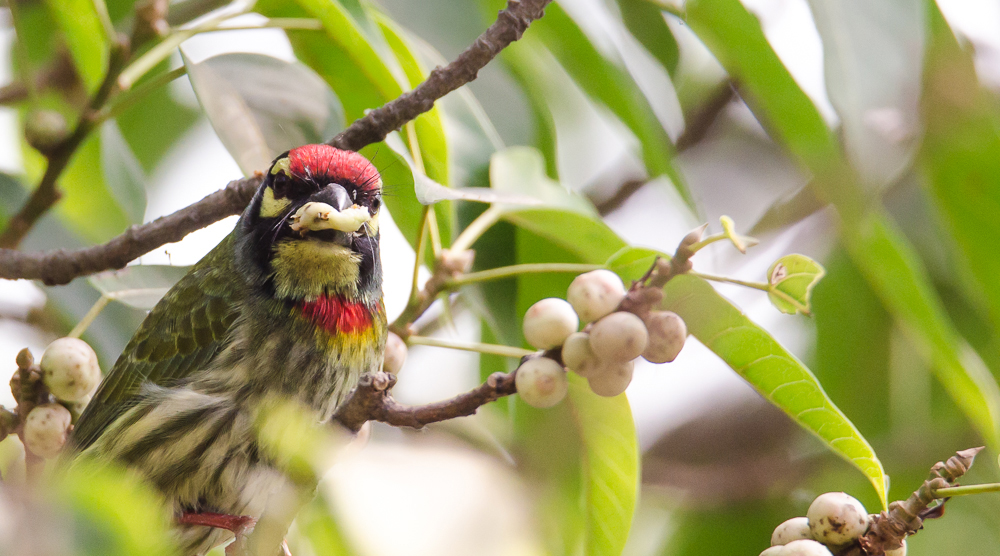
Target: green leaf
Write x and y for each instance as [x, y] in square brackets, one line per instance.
[123, 173]
[610, 85]
[885, 257]
[566, 219]
[343, 55]
[611, 452]
[88, 44]
[960, 158]
[791, 280]
[285, 105]
[134, 520]
[757, 357]
[87, 205]
[645, 21]
[138, 286]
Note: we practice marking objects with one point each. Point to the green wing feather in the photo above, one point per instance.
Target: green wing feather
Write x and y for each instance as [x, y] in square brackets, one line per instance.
[181, 335]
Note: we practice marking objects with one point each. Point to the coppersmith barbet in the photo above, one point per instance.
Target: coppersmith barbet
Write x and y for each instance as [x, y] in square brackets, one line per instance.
[289, 305]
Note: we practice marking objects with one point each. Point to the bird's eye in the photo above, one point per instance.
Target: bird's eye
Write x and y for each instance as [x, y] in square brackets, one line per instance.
[376, 203]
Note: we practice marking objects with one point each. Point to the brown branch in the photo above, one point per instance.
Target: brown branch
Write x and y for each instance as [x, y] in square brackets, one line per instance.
[508, 27]
[371, 401]
[61, 266]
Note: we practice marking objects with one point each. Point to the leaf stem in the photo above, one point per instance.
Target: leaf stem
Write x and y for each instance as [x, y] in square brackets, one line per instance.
[695, 247]
[88, 318]
[514, 270]
[491, 349]
[949, 492]
[476, 229]
[755, 285]
[102, 13]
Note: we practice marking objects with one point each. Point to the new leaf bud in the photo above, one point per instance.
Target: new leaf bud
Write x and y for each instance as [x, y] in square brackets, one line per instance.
[610, 378]
[395, 354]
[618, 337]
[836, 518]
[805, 548]
[70, 369]
[595, 294]
[549, 322]
[794, 529]
[45, 429]
[541, 382]
[576, 351]
[667, 333]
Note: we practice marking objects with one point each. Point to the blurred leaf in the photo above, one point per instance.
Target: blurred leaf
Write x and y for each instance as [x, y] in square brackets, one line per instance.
[567, 219]
[872, 57]
[736, 530]
[319, 525]
[122, 172]
[285, 105]
[529, 71]
[87, 205]
[138, 286]
[301, 447]
[644, 19]
[788, 210]
[611, 450]
[133, 520]
[610, 85]
[173, 120]
[343, 55]
[791, 280]
[428, 126]
[88, 44]
[884, 256]
[961, 158]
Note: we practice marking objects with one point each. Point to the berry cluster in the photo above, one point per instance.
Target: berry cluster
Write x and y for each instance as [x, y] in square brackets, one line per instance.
[69, 374]
[604, 352]
[833, 523]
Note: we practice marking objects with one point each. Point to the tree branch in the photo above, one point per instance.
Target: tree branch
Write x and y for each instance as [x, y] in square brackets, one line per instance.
[61, 266]
[371, 401]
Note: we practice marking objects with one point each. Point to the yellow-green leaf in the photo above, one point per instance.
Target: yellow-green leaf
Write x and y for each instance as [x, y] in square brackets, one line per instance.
[790, 281]
[85, 37]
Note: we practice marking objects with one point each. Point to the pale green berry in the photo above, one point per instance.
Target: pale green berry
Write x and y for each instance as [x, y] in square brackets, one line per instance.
[70, 370]
[805, 548]
[541, 382]
[595, 294]
[793, 529]
[837, 518]
[549, 322]
[45, 429]
[610, 378]
[667, 333]
[576, 351]
[774, 551]
[618, 337]
[395, 354]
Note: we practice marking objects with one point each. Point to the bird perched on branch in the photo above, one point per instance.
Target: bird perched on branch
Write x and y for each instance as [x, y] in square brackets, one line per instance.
[288, 306]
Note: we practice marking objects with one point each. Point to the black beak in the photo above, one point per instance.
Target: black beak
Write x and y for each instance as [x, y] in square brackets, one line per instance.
[334, 195]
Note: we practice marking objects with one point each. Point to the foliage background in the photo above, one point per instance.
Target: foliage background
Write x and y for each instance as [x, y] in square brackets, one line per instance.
[896, 128]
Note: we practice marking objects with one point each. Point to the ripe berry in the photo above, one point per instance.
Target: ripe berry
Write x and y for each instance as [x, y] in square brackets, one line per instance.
[541, 382]
[596, 294]
[45, 429]
[610, 378]
[395, 354]
[836, 518]
[549, 322]
[618, 337]
[667, 333]
[805, 548]
[70, 369]
[576, 351]
[793, 529]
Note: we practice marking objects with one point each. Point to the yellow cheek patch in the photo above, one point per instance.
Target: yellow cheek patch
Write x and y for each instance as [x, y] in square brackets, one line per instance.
[271, 207]
[306, 269]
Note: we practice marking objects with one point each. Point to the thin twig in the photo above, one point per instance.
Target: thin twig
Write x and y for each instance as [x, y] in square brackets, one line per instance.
[371, 401]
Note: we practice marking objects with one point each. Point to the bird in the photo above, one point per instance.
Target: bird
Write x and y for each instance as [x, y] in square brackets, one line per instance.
[287, 307]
